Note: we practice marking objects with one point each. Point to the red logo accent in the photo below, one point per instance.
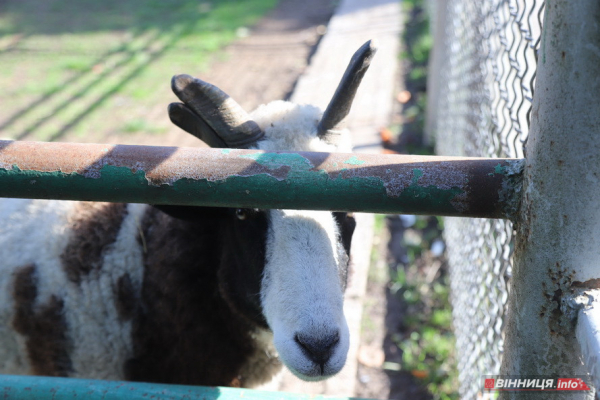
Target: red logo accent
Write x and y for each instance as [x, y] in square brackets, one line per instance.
[489, 384]
[571, 384]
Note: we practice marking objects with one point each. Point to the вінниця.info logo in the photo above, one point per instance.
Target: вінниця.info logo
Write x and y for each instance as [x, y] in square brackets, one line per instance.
[535, 383]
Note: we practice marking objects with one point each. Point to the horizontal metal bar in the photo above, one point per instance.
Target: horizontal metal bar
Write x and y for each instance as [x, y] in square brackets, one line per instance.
[47, 388]
[471, 187]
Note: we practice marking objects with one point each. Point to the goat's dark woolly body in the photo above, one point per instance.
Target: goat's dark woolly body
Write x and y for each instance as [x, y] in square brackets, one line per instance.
[183, 324]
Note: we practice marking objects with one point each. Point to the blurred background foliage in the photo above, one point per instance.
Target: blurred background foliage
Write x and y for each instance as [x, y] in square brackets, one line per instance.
[418, 266]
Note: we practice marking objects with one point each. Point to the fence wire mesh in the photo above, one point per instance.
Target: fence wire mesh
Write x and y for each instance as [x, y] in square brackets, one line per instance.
[483, 74]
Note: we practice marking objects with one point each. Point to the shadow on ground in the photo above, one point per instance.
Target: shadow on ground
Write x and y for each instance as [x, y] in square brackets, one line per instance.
[74, 67]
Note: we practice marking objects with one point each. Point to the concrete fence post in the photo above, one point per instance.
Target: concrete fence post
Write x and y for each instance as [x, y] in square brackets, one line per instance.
[557, 247]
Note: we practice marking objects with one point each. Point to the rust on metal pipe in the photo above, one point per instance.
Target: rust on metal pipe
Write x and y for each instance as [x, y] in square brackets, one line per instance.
[453, 186]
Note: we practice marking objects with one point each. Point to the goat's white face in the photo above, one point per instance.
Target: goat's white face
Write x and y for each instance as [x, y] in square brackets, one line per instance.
[302, 292]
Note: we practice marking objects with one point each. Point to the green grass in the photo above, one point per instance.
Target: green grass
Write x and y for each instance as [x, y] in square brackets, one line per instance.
[376, 275]
[141, 125]
[90, 69]
[426, 339]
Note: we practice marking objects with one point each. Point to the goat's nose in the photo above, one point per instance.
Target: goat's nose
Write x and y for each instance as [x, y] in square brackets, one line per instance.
[318, 348]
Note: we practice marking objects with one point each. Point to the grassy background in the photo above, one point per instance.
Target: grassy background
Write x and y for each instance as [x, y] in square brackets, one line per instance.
[88, 70]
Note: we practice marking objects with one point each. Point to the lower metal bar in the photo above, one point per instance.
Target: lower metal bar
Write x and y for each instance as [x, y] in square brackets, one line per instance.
[471, 187]
[46, 388]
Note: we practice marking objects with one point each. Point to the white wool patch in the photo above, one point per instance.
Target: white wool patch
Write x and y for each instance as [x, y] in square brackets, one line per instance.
[293, 127]
[37, 232]
[101, 341]
[32, 232]
[302, 290]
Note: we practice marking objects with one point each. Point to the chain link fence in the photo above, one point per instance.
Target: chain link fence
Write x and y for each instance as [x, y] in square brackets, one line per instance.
[480, 92]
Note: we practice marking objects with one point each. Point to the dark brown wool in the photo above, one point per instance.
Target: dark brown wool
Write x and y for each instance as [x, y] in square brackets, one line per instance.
[44, 326]
[126, 300]
[94, 226]
[184, 332]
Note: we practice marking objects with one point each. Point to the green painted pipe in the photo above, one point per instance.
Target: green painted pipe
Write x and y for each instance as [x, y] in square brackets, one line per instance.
[471, 187]
[49, 388]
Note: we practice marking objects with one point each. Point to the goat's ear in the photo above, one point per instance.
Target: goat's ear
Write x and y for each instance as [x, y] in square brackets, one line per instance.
[185, 118]
[340, 103]
[226, 117]
[192, 213]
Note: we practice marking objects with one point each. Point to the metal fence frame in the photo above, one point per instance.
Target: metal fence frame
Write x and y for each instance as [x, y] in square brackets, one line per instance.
[519, 288]
[459, 186]
[475, 187]
[567, 289]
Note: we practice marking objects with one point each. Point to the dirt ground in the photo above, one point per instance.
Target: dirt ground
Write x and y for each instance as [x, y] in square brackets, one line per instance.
[261, 67]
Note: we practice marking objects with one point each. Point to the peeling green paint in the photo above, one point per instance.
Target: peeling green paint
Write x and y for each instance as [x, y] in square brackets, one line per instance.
[354, 161]
[281, 180]
[499, 169]
[34, 184]
[417, 174]
[278, 160]
[430, 197]
[303, 187]
[418, 197]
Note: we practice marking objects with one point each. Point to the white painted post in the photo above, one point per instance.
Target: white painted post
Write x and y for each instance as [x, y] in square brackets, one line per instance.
[558, 234]
[438, 16]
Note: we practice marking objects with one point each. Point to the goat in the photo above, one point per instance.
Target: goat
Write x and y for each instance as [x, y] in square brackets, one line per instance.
[182, 294]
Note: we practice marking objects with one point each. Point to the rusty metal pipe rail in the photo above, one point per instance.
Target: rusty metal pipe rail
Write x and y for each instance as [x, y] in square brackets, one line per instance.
[470, 187]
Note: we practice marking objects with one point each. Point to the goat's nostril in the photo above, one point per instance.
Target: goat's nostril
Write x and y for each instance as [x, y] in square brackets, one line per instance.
[318, 348]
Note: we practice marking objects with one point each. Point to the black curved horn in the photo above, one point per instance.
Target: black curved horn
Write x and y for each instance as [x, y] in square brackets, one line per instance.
[186, 119]
[226, 118]
[340, 103]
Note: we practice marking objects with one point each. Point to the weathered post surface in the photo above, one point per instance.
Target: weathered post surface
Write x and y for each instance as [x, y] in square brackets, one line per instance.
[558, 233]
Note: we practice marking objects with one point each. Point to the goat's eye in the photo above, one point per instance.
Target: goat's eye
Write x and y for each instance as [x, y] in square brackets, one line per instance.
[240, 213]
